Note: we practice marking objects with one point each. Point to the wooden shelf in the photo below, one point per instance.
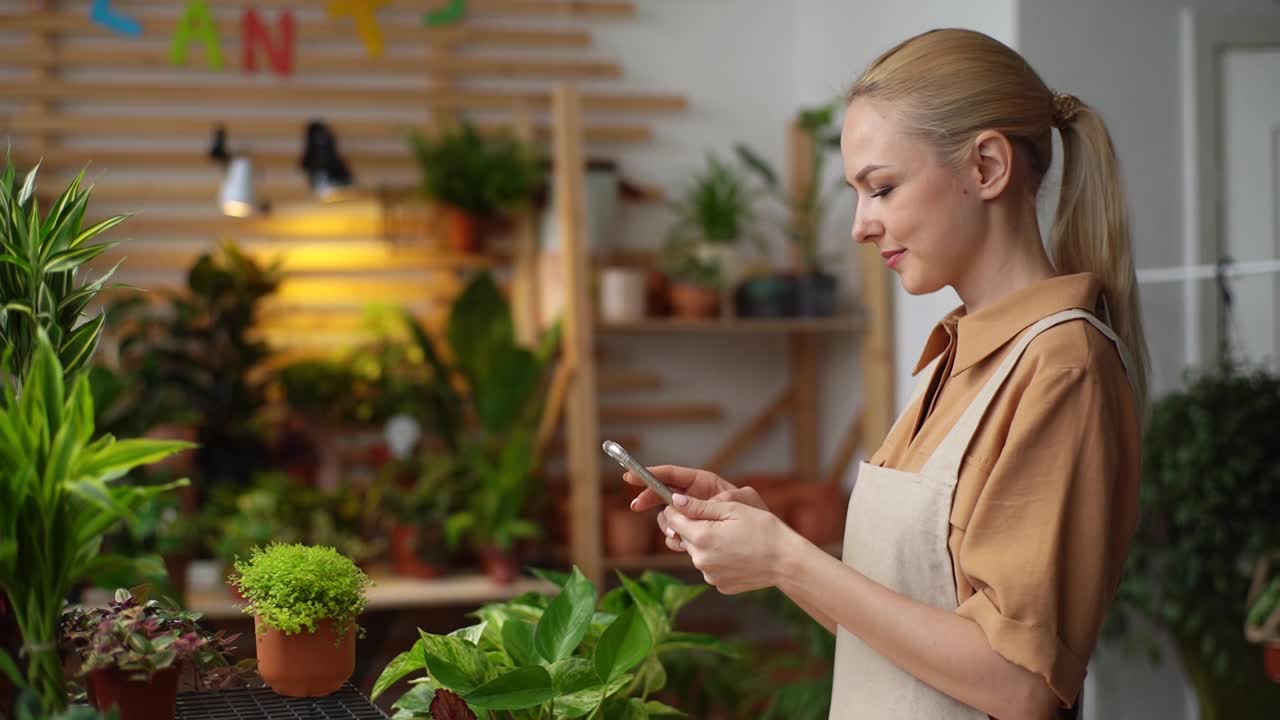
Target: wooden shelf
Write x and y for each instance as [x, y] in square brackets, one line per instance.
[841, 324]
[669, 561]
[391, 593]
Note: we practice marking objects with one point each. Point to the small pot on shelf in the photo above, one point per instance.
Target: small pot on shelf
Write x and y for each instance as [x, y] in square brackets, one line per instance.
[462, 230]
[154, 699]
[766, 296]
[694, 301]
[500, 566]
[405, 558]
[815, 294]
[628, 534]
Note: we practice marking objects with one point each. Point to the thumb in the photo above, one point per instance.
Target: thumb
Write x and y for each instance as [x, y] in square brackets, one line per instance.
[696, 509]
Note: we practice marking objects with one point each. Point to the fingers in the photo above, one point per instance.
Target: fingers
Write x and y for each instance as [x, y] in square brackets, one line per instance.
[669, 536]
[646, 500]
[744, 495]
[696, 509]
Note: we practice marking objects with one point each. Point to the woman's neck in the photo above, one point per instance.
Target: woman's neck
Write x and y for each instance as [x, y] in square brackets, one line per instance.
[1012, 259]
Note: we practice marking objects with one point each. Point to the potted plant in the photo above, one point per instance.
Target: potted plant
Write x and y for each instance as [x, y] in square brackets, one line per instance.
[487, 433]
[1209, 451]
[62, 485]
[304, 601]
[815, 289]
[419, 495]
[576, 654]
[715, 215]
[696, 283]
[475, 177]
[131, 654]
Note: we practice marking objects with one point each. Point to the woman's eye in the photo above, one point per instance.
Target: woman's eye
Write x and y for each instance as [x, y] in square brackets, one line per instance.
[882, 192]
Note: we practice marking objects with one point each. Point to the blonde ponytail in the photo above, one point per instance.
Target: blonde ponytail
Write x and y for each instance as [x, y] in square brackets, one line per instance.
[949, 85]
[1091, 230]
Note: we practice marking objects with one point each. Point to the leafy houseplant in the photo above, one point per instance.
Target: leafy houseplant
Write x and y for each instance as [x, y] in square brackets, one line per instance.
[475, 176]
[493, 458]
[805, 211]
[132, 653]
[59, 482]
[197, 363]
[1209, 452]
[1262, 623]
[305, 601]
[572, 656]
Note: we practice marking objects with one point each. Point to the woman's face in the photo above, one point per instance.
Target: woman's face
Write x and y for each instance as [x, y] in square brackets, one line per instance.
[920, 213]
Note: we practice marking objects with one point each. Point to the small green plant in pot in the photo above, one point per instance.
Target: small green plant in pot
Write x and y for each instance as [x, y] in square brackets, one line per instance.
[806, 211]
[131, 654]
[305, 601]
[697, 283]
[474, 177]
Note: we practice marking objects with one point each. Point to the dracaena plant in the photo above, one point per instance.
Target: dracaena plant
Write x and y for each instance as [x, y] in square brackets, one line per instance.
[537, 657]
[143, 638]
[61, 484]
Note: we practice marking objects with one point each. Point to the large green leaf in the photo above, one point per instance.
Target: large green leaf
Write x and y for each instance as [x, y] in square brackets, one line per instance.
[696, 641]
[72, 259]
[417, 700]
[585, 701]
[517, 640]
[624, 645]
[657, 709]
[409, 661]
[521, 688]
[573, 674]
[79, 346]
[97, 229]
[479, 322]
[650, 608]
[455, 663]
[10, 669]
[504, 387]
[120, 457]
[470, 633]
[566, 619]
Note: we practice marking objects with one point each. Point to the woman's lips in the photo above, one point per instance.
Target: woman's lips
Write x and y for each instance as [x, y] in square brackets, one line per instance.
[893, 257]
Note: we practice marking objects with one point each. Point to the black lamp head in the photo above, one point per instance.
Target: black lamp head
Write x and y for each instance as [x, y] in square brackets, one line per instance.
[321, 162]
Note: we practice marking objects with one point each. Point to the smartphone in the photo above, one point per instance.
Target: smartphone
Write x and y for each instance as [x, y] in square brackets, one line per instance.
[619, 453]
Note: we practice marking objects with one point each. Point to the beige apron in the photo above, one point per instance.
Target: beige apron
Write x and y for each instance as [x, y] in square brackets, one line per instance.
[896, 534]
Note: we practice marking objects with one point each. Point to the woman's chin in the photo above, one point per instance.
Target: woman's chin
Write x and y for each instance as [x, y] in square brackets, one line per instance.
[915, 285]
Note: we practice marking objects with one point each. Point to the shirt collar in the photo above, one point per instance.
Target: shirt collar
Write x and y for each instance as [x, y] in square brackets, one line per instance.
[989, 329]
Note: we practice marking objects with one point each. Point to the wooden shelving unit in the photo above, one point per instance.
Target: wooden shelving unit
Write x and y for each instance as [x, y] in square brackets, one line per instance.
[731, 326]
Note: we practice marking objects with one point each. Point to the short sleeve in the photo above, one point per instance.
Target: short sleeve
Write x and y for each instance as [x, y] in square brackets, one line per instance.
[1046, 543]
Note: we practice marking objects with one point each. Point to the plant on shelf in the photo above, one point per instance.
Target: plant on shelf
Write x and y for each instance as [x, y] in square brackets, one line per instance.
[1262, 623]
[195, 363]
[696, 281]
[806, 210]
[574, 655]
[132, 652]
[61, 486]
[1209, 451]
[487, 433]
[475, 176]
[305, 601]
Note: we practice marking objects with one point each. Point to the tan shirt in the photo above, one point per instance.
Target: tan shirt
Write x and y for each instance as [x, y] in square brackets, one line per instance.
[1047, 498]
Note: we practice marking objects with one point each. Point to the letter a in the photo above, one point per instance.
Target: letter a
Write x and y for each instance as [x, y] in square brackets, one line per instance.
[196, 23]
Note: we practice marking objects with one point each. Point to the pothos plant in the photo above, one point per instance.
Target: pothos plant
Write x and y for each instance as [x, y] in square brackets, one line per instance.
[574, 655]
[143, 638]
[60, 482]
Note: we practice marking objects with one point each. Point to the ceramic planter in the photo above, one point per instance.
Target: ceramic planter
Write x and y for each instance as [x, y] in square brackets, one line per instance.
[499, 565]
[816, 294]
[694, 301]
[154, 699]
[462, 231]
[628, 533]
[769, 296]
[309, 664]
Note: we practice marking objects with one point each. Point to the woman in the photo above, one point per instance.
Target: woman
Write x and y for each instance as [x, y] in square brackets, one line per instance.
[985, 538]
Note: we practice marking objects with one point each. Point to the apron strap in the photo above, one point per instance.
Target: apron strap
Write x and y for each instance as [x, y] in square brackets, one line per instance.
[946, 459]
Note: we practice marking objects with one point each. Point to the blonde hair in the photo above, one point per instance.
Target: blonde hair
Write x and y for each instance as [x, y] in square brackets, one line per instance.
[949, 85]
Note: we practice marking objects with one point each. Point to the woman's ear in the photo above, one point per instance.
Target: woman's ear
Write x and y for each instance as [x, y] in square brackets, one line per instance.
[993, 163]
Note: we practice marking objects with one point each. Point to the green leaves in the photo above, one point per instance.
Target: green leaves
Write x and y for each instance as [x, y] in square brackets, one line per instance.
[521, 688]
[455, 663]
[293, 587]
[409, 661]
[517, 640]
[566, 620]
[625, 645]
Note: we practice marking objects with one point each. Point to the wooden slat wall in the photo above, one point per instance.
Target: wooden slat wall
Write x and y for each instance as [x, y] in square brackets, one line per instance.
[74, 94]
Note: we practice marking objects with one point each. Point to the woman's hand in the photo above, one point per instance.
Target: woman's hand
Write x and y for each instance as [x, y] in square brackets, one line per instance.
[737, 547]
[694, 483]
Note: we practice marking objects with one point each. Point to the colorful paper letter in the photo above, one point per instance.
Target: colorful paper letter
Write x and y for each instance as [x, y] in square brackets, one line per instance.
[107, 17]
[196, 23]
[449, 15]
[256, 35]
[365, 14]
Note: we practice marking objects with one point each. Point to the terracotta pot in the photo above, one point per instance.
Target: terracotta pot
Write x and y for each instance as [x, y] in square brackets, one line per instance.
[311, 664]
[137, 699]
[817, 512]
[628, 533]
[694, 301]
[176, 567]
[462, 231]
[499, 565]
[1271, 660]
[657, 293]
[404, 555]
